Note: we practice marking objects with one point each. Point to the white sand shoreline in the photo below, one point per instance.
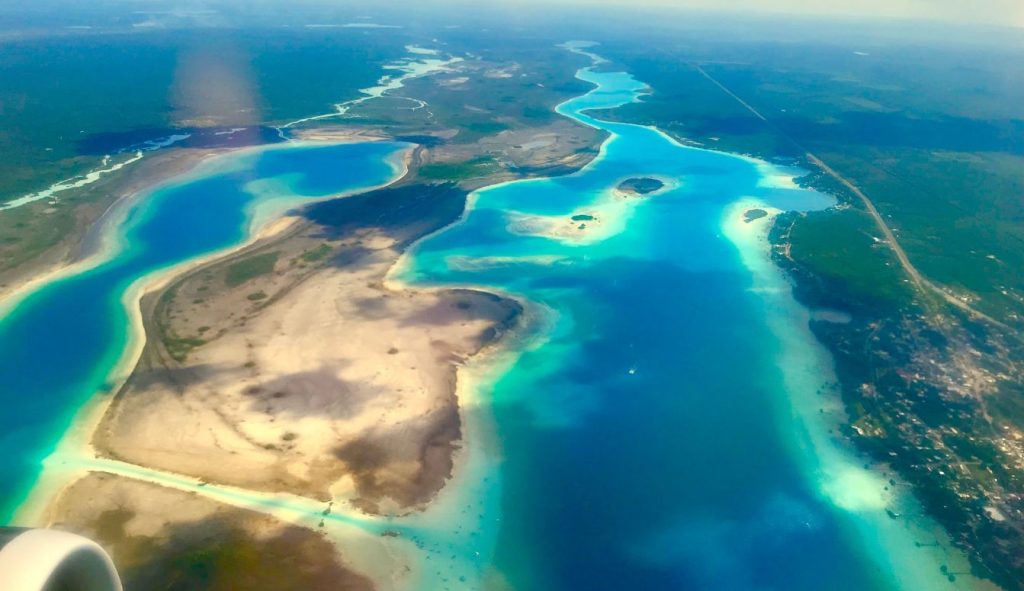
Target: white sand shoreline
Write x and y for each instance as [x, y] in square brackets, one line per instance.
[835, 470]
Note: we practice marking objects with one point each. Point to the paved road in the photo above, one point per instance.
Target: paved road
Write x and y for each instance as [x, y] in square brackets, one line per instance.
[922, 284]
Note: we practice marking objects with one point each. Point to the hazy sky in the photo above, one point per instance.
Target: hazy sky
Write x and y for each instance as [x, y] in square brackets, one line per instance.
[992, 12]
[999, 12]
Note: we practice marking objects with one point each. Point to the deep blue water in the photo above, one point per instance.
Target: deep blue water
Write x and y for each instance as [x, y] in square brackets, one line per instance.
[59, 344]
[648, 443]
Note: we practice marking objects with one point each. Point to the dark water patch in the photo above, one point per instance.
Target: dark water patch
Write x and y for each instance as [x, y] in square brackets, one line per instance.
[405, 213]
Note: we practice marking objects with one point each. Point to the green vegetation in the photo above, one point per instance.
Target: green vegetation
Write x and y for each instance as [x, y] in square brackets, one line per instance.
[486, 127]
[28, 231]
[257, 296]
[457, 171]
[47, 138]
[958, 215]
[640, 186]
[538, 114]
[582, 217]
[754, 214]
[318, 253]
[250, 268]
[843, 248]
[179, 347]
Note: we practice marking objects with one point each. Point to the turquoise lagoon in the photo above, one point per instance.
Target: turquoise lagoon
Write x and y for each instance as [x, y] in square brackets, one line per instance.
[657, 426]
[667, 427]
[60, 345]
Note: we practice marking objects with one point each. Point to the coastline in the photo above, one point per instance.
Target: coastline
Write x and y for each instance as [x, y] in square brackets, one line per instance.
[359, 536]
[98, 242]
[77, 440]
[864, 491]
[476, 478]
[75, 459]
[470, 500]
[475, 475]
[103, 242]
[859, 491]
[859, 494]
[268, 219]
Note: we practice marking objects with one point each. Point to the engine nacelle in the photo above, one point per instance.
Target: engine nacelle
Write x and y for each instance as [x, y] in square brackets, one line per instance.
[51, 560]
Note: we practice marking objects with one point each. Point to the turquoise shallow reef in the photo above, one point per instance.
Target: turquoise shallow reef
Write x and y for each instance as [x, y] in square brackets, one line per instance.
[666, 428]
[60, 344]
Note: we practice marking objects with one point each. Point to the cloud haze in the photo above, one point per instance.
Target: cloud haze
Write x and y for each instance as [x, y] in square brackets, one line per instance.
[996, 12]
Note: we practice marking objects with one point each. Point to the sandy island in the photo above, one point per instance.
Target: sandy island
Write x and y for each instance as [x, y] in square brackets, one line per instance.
[605, 217]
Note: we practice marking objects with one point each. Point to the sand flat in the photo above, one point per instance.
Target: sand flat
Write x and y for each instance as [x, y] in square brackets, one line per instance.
[338, 388]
